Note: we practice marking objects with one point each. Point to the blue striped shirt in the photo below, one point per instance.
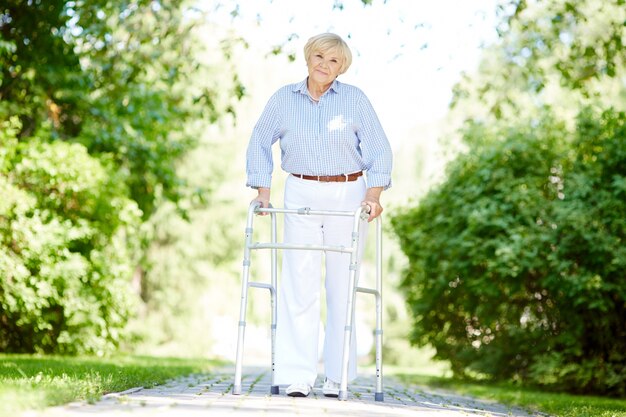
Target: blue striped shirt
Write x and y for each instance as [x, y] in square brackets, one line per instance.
[339, 135]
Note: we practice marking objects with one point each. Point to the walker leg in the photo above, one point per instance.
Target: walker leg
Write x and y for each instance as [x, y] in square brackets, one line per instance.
[343, 395]
[242, 308]
[239, 361]
[379, 396]
[241, 335]
[274, 390]
[352, 283]
[347, 338]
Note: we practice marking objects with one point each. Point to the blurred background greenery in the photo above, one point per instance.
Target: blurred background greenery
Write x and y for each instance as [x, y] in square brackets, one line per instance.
[122, 198]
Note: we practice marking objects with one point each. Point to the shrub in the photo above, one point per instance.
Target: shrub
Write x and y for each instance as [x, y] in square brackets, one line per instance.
[66, 237]
[516, 262]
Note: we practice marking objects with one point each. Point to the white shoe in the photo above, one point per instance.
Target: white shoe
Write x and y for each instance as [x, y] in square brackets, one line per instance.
[331, 388]
[298, 389]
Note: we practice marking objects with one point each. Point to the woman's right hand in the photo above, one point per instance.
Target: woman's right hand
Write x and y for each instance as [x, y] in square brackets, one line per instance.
[263, 197]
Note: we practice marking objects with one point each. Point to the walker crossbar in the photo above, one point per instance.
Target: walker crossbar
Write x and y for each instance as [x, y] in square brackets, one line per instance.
[359, 215]
[301, 247]
[305, 211]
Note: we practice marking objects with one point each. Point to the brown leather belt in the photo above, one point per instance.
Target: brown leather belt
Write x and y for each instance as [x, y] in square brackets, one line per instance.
[331, 178]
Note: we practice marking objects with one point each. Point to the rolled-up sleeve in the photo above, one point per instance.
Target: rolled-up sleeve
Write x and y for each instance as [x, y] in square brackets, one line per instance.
[375, 148]
[259, 164]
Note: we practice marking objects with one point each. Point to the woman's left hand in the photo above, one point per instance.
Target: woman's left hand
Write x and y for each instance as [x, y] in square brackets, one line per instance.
[372, 200]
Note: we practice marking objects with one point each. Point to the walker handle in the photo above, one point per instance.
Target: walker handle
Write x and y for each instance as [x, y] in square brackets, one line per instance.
[365, 211]
[254, 206]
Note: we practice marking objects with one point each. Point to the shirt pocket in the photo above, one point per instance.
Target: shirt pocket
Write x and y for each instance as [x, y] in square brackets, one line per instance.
[341, 133]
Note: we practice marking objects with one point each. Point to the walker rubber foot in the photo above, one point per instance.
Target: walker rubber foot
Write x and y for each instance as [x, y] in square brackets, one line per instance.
[275, 390]
[343, 396]
[237, 390]
[379, 396]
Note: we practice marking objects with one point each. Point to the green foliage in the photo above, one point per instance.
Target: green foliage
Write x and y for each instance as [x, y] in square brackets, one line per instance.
[67, 234]
[516, 261]
[138, 61]
[99, 101]
[585, 40]
[562, 54]
[33, 51]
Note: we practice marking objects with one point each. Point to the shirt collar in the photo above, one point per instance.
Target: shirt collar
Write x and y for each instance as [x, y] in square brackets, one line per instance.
[302, 89]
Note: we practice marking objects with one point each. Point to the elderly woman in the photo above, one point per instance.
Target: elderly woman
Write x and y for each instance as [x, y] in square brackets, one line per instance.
[329, 137]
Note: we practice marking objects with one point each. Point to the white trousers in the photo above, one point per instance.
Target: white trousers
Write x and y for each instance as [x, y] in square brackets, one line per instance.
[297, 329]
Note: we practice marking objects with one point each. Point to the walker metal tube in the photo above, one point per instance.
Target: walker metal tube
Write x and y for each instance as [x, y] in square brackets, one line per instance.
[300, 247]
[306, 211]
[244, 299]
[379, 395]
[347, 336]
[273, 296]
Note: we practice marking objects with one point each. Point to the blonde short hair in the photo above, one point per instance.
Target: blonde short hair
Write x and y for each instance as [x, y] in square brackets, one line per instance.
[325, 42]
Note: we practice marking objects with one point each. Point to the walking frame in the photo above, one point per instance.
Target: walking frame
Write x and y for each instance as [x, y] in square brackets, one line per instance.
[359, 215]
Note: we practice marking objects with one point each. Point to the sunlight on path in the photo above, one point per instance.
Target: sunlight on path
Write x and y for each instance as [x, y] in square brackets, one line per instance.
[204, 395]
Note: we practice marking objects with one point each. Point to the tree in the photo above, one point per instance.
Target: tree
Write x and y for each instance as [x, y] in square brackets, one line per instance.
[97, 108]
[516, 261]
[515, 258]
[553, 53]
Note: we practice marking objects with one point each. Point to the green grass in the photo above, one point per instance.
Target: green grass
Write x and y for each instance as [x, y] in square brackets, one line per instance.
[35, 382]
[554, 404]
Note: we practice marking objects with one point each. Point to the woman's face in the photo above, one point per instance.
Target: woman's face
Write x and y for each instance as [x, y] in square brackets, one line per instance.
[324, 66]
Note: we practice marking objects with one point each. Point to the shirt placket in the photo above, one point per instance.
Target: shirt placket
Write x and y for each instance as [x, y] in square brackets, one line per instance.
[320, 133]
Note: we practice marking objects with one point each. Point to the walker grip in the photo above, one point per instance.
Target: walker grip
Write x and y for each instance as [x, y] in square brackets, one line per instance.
[365, 211]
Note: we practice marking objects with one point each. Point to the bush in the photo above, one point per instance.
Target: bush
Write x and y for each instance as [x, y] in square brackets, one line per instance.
[66, 237]
[516, 262]
[100, 101]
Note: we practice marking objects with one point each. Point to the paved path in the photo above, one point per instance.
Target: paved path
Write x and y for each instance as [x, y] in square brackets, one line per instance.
[210, 395]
